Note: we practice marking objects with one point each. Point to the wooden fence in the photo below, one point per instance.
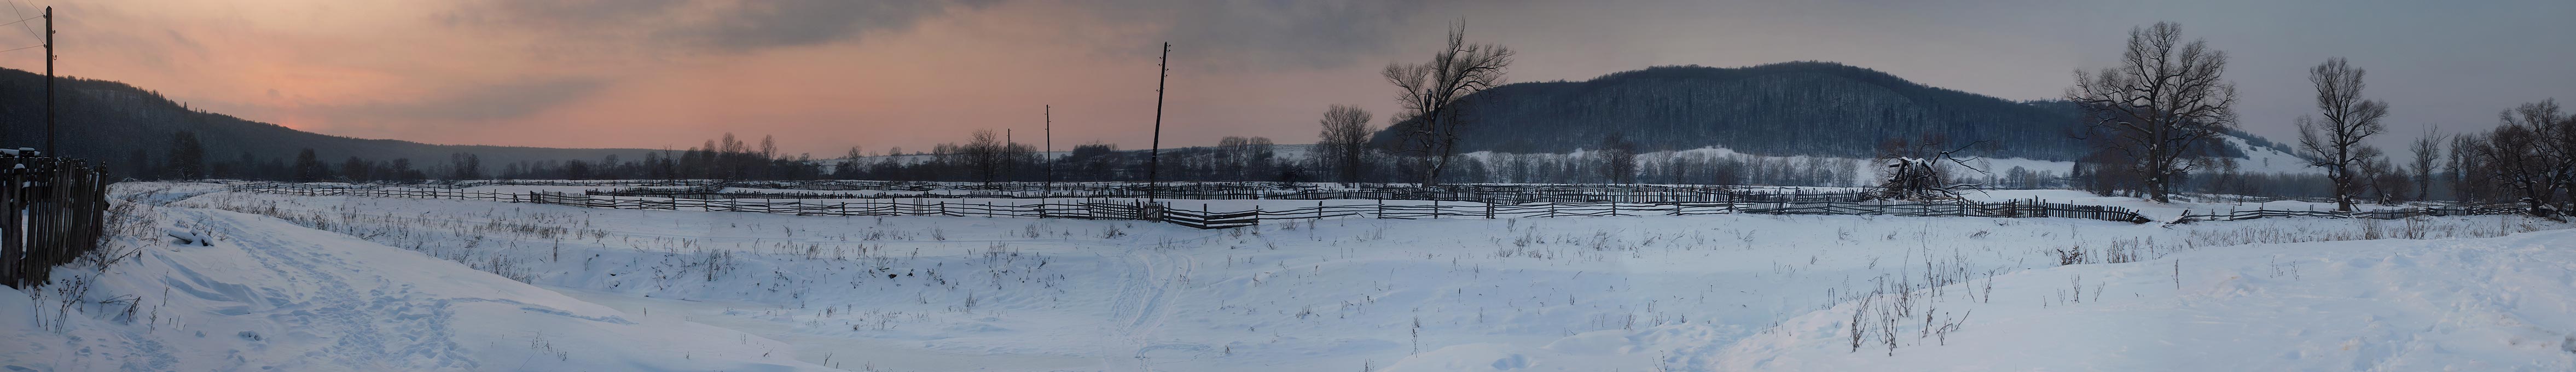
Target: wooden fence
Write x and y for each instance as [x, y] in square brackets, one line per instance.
[54, 212]
[1203, 216]
[1491, 194]
[1481, 193]
[2383, 214]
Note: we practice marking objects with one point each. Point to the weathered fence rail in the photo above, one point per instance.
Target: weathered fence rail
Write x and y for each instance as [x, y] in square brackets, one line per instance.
[55, 210]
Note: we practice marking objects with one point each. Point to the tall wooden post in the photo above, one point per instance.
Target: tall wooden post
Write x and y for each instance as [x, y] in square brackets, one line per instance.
[49, 82]
[1154, 158]
[1049, 156]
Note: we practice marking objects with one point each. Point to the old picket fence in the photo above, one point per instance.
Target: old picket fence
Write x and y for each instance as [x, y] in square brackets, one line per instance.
[1202, 215]
[52, 210]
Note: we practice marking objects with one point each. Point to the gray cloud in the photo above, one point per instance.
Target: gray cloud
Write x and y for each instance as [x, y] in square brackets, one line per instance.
[805, 22]
[477, 103]
[1285, 34]
[695, 26]
[1254, 34]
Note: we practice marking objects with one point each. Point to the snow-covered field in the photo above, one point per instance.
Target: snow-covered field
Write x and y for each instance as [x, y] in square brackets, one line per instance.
[336, 283]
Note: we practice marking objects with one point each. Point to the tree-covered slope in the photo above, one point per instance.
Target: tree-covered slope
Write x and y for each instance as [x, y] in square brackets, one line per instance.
[109, 121]
[1795, 108]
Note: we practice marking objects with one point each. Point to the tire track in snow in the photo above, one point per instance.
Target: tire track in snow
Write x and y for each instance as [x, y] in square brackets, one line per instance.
[337, 311]
[1144, 300]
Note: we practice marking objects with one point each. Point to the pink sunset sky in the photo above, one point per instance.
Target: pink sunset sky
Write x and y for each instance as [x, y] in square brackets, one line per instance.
[824, 76]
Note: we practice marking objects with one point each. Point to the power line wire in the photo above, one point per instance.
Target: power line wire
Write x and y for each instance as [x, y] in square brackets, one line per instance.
[31, 31]
[25, 47]
[20, 20]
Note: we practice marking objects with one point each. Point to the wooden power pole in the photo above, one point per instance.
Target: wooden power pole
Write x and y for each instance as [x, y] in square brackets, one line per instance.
[49, 82]
[1154, 159]
[1049, 155]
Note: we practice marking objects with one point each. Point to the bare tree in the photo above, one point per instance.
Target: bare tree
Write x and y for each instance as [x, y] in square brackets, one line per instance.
[2534, 151]
[464, 166]
[2386, 181]
[2427, 151]
[2158, 104]
[1618, 159]
[2468, 169]
[1343, 146]
[1432, 91]
[984, 153]
[2335, 142]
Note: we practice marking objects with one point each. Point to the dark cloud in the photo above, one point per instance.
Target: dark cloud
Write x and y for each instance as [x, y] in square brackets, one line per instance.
[696, 26]
[1295, 34]
[477, 103]
[805, 22]
[1252, 34]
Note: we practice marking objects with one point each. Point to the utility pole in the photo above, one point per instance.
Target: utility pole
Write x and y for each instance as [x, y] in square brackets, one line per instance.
[49, 82]
[1154, 159]
[1049, 155]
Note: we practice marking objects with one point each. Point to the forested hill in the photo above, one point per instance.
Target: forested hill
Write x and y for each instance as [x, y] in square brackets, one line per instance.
[113, 122]
[1795, 108]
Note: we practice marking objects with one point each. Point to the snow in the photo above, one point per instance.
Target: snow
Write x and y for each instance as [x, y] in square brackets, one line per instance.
[2268, 160]
[412, 284]
[275, 296]
[2256, 160]
[2495, 304]
[2161, 211]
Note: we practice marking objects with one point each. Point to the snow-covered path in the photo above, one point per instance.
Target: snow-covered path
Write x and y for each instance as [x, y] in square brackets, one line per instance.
[270, 295]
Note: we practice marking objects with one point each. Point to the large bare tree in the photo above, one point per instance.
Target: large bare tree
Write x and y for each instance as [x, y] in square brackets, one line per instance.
[1343, 146]
[2165, 97]
[2534, 152]
[2335, 141]
[1432, 91]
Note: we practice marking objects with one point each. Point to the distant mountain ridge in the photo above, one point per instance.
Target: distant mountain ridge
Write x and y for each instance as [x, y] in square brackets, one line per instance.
[108, 121]
[1780, 109]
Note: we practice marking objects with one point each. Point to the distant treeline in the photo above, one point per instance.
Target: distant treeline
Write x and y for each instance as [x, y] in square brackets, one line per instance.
[982, 159]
